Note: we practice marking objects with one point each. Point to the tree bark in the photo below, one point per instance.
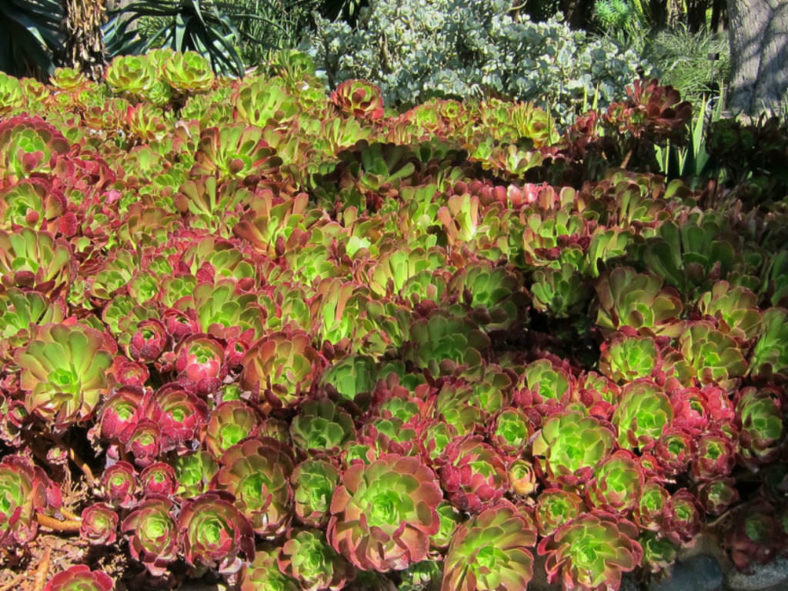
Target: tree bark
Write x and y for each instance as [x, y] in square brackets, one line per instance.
[84, 41]
[758, 33]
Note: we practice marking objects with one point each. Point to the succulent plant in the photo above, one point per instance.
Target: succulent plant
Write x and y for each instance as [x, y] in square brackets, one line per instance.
[442, 342]
[683, 517]
[383, 514]
[754, 536]
[313, 484]
[556, 507]
[28, 145]
[280, 367]
[714, 457]
[307, 557]
[120, 485]
[762, 426]
[627, 357]
[628, 298]
[179, 414]
[212, 532]
[257, 473]
[658, 552]
[560, 292]
[32, 203]
[570, 445]
[24, 490]
[99, 524]
[473, 474]
[592, 550]
[769, 356]
[510, 431]
[134, 75]
[31, 259]
[358, 98]
[714, 356]
[152, 532]
[194, 472]
[187, 72]
[159, 479]
[80, 578]
[734, 308]
[265, 573]
[617, 484]
[265, 100]
[643, 412]
[233, 151]
[63, 372]
[716, 496]
[491, 551]
[321, 426]
[200, 362]
[11, 95]
[230, 422]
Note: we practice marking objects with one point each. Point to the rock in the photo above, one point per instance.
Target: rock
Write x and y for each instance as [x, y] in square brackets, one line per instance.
[765, 577]
[698, 573]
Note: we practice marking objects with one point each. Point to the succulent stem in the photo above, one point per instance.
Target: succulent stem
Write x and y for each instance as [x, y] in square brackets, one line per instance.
[42, 570]
[65, 526]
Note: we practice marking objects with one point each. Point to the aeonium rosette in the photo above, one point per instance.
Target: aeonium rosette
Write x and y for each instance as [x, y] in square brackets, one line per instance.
[257, 472]
[99, 524]
[683, 517]
[24, 490]
[64, 372]
[556, 507]
[214, 533]
[321, 426]
[713, 356]
[359, 98]
[149, 341]
[490, 551]
[159, 479]
[153, 534]
[383, 514]
[280, 367]
[230, 422]
[119, 415]
[80, 578]
[762, 427]
[473, 473]
[570, 445]
[144, 443]
[617, 483]
[313, 483]
[200, 364]
[265, 573]
[120, 485]
[31, 259]
[180, 415]
[308, 558]
[643, 413]
[591, 552]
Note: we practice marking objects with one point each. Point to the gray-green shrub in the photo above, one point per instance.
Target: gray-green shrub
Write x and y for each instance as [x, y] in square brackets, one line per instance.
[415, 50]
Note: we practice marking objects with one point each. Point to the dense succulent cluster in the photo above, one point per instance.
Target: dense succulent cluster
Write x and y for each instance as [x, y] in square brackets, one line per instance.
[255, 332]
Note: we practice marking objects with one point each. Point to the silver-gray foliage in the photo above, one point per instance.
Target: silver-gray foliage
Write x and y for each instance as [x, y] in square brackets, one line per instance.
[418, 49]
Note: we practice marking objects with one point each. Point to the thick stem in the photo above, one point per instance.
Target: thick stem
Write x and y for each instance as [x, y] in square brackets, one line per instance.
[82, 465]
[40, 577]
[69, 515]
[65, 526]
[14, 582]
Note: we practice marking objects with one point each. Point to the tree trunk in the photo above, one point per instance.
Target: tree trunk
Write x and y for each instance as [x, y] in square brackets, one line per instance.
[758, 32]
[84, 42]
